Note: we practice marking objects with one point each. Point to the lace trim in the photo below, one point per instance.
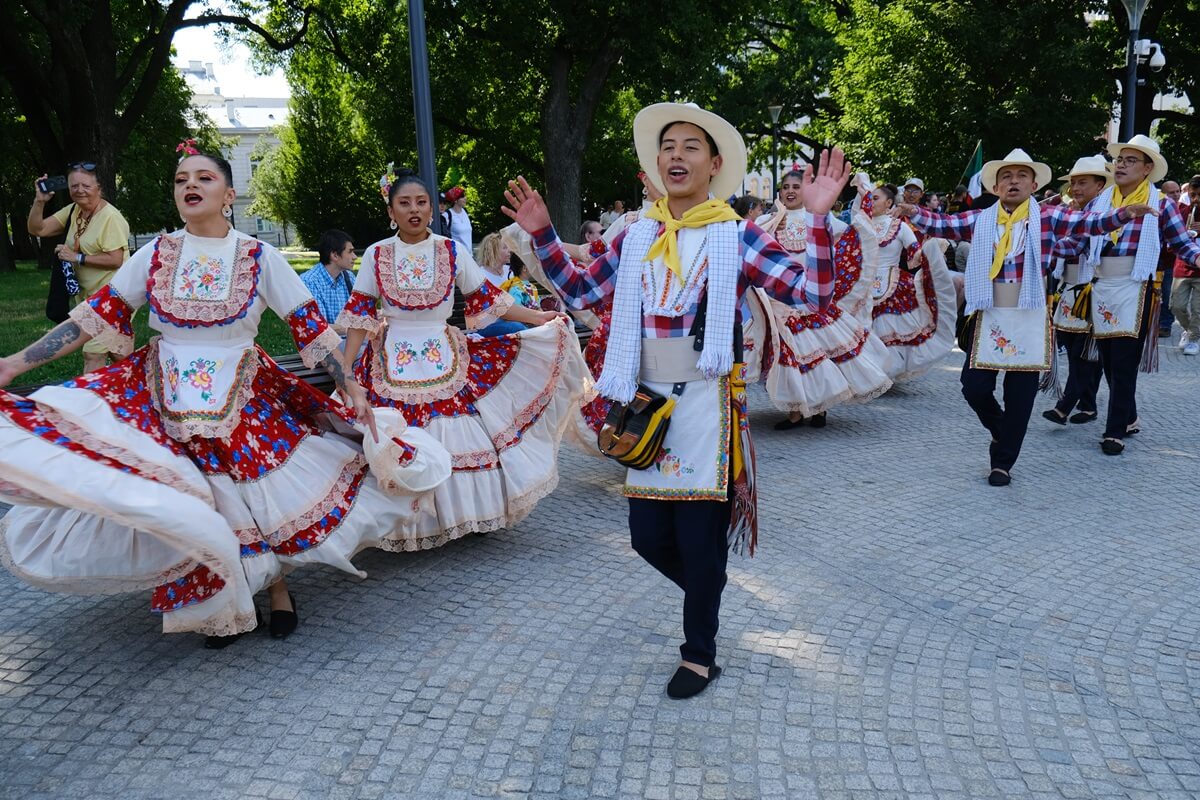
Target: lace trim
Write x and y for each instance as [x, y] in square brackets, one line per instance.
[888, 234]
[101, 330]
[347, 480]
[474, 460]
[416, 299]
[491, 313]
[421, 391]
[348, 321]
[229, 624]
[243, 287]
[530, 414]
[182, 427]
[327, 342]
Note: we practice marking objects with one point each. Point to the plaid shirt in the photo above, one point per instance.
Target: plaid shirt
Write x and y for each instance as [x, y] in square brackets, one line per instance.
[1172, 232]
[1058, 222]
[331, 294]
[765, 264]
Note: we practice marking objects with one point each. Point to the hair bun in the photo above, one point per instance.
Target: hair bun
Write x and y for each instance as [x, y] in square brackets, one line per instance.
[405, 172]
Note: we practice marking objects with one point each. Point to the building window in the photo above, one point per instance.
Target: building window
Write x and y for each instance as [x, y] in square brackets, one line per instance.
[264, 225]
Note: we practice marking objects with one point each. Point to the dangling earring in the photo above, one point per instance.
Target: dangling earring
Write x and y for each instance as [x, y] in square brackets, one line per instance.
[227, 211]
[393, 225]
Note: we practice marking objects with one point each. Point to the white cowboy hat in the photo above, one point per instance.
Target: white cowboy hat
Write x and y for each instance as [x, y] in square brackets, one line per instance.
[1090, 165]
[1143, 144]
[649, 124]
[1017, 158]
[917, 182]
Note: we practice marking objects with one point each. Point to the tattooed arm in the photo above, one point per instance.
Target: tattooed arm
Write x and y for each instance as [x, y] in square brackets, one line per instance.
[351, 390]
[65, 338]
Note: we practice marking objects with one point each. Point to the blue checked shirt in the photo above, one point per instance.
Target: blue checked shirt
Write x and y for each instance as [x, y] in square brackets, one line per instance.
[331, 294]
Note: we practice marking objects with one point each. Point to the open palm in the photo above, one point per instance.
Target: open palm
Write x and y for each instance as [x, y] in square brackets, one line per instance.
[525, 206]
[822, 187]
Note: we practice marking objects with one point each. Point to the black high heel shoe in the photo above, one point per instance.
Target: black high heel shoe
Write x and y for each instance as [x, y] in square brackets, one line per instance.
[283, 623]
[221, 642]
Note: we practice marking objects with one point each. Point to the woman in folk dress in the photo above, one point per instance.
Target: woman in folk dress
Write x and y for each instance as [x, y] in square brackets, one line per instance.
[499, 404]
[196, 466]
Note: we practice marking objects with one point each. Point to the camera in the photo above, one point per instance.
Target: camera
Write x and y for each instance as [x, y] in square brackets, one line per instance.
[56, 183]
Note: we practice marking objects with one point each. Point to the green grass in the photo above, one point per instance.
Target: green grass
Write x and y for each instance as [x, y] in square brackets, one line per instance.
[23, 321]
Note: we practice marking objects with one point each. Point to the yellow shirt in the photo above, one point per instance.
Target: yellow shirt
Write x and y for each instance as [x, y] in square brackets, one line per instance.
[107, 231]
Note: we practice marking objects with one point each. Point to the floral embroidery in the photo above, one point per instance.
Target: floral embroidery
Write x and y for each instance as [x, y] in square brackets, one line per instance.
[199, 375]
[108, 319]
[1108, 314]
[172, 372]
[326, 516]
[902, 300]
[431, 351]
[171, 304]
[485, 305]
[195, 587]
[361, 311]
[788, 358]
[671, 465]
[414, 283]
[405, 354]
[203, 278]
[1002, 344]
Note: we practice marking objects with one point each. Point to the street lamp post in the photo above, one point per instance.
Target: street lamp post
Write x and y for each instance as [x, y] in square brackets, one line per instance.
[774, 112]
[418, 51]
[1135, 9]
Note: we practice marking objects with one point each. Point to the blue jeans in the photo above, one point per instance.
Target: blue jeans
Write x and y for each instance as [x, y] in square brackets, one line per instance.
[1167, 317]
[501, 327]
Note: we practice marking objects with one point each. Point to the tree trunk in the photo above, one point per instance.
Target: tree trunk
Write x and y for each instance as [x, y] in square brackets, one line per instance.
[24, 247]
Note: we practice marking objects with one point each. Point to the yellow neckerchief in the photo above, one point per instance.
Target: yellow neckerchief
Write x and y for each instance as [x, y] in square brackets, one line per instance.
[667, 244]
[1009, 220]
[1140, 196]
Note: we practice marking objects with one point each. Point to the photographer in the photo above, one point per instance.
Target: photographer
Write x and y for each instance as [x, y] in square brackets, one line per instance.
[97, 240]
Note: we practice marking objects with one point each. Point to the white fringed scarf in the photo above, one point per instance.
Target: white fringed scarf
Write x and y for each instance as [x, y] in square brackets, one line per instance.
[983, 248]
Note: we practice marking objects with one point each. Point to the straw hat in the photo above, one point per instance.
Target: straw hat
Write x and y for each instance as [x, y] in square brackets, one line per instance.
[1090, 165]
[651, 120]
[1146, 145]
[1017, 158]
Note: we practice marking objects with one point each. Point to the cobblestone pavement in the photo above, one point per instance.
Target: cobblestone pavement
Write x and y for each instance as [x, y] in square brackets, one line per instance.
[906, 631]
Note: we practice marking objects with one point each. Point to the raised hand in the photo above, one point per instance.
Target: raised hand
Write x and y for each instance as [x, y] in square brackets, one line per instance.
[1140, 210]
[903, 210]
[821, 188]
[38, 194]
[525, 206]
[362, 407]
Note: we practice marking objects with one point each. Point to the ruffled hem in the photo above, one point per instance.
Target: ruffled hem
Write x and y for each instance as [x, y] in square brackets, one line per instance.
[494, 312]
[327, 342]
[103, 334]
[347, 321]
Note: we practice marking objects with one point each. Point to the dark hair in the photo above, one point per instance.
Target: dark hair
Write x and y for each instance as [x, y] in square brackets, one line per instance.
[1194, 181]
[890, 190]
[222, 165]
[712, 143]
[403, 178]
[331, 241]
[792, 173]
[743, 204]
[583, 229]
[959, 189]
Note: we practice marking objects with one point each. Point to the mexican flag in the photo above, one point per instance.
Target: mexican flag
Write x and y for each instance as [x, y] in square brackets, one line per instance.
[975, 170]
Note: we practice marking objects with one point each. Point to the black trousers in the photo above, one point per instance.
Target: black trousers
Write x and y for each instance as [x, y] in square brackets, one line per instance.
[1121, 356]
[1083, 376]
[1008, 424]
[685, 540]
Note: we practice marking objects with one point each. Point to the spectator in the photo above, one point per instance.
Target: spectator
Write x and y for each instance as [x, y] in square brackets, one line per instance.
[495, 257]
[332, 278]
[959, 200]
[914, 189]
[1185, 293]
[1166, 268]
[748, 207]
[931, 202]
[613, 213]
[444, 213]
[460, 222]
[97, 243]
[590, 230]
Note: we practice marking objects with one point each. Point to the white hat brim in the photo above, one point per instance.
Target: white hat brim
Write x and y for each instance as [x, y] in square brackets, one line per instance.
[1108, 178]
[1042, 174]
[1160, 164]
[650, 121]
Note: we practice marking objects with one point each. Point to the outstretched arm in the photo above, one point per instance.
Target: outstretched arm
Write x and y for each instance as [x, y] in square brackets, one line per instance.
[63, 339]
[955, 227]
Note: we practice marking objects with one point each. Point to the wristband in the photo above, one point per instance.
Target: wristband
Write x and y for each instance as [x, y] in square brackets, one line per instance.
[82, 258]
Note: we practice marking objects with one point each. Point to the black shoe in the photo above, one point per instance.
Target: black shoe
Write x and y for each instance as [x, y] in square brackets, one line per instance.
[818, 421]
[1112, 447]
[998, 477]
[1084, 416]
[221, 642]
[786, 424]
[283, 623]
[685, 683]
[1053, 415]
[1133, 428]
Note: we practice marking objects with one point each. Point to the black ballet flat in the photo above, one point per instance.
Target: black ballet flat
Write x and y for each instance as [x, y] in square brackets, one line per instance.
[1112, 447]
[999, 477]
[284, 623]
[818, 421]
[1053, 415]
[786, 424]
[1084, 416]
[221, 642]
[685, 683]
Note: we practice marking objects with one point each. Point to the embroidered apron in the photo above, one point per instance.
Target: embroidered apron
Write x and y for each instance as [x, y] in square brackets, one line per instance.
[1117, 299]
[1064, 320]
[199, 388]
[1011, 338]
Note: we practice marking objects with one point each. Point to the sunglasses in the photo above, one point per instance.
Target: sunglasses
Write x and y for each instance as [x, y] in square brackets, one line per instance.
[86, 166]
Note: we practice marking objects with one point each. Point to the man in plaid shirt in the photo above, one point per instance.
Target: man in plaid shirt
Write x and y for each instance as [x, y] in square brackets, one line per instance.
[1014, 181]
[1137, 164]
[681, 528]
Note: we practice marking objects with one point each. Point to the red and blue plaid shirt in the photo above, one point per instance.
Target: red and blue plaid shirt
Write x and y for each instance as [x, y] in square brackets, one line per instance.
[1058, 223]
[782, 275]
[1172, 232]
